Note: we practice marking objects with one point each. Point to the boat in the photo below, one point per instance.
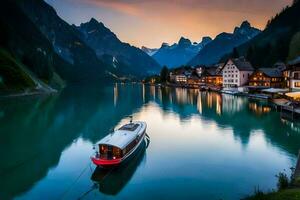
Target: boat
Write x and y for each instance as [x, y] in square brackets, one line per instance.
[120, 145]
[232, 92]
[111, 181]
[258, 96]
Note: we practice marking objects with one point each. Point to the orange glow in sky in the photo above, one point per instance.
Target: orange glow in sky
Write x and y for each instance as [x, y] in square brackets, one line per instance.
[151, 22]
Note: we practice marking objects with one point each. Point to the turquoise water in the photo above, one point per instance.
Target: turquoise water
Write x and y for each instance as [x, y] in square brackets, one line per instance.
[202, 145]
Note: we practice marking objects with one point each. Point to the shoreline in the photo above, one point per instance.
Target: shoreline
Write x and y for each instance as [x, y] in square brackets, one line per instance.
[28, 94]
[282, 105]
[290, 192]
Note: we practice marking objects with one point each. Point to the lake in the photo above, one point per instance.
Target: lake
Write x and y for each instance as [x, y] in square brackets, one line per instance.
[202, 145]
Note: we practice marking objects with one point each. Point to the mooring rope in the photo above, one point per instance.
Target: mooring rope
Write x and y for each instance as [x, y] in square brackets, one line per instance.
[75, 181]
[147, 140]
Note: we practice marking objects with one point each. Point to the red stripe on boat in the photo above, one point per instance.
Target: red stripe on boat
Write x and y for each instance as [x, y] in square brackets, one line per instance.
[103, 162]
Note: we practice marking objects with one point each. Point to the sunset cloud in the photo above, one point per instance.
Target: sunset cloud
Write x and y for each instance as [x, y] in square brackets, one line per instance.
[120, 6]
[151, 22]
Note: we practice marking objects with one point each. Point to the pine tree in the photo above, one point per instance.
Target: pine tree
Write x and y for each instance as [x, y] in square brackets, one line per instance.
[235, 53]
[164, 74]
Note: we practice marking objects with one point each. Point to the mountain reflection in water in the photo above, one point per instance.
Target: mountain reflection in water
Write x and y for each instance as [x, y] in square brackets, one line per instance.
[45, 142]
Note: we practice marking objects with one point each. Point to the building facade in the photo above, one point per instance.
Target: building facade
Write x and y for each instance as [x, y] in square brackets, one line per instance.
[236, 73]
[292, 75]
[212, 76]
[193, 80]
[178, 78]
[267, 77]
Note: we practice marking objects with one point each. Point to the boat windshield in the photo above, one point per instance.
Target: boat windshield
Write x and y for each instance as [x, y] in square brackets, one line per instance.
[129, 127]
[109, 152]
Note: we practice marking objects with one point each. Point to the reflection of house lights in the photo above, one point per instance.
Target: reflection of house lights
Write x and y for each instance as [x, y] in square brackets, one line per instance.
[143, 92]
[219, 105]
[259, 109]
[115, 94]
[199, 103]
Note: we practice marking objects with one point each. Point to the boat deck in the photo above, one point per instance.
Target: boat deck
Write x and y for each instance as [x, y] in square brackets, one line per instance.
[282, 106]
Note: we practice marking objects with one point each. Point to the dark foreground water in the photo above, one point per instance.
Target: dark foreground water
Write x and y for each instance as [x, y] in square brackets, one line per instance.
[202, 145]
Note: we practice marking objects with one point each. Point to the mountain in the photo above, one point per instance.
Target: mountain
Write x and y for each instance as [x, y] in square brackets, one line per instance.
[104, 42]
[28, 61]
[179, 53]
[280, 41]
[149, 51]
[83, 63]
[224, 44]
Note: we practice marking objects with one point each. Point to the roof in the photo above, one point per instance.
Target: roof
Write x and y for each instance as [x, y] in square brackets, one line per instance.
[280, 66]
[242, 64]
[295, 61]
[275, 90]
[121, 138]
[193, 76]
[271, 72]
[211, 71]
[293, 94]
[129, 127]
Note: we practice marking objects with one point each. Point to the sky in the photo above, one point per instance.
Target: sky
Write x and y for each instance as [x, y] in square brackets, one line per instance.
[151, 22]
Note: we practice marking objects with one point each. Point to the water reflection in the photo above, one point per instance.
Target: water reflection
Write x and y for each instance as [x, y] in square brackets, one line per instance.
[35, 131]
[239, 113]
[259, 109]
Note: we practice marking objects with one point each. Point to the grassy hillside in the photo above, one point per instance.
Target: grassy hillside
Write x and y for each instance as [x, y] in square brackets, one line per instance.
[21, 38]
[12, 77]
[288, 194]
[27, 57]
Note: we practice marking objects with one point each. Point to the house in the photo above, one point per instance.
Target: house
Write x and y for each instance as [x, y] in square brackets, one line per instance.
[267, 78]
[236, 72]
[178, 78]
[193, 80]
[212, 76]
[180, 75]
[292, 75]
[181, 78]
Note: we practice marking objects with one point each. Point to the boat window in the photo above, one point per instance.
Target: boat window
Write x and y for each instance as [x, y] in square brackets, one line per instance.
[105, 151]
[117, 153]
[130, 146]
[129, 127]
[109, 152]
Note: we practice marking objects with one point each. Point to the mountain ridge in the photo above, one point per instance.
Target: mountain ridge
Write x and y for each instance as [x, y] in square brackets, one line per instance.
[179, 53]
[104, 42]
[82, 60]
[149, 51]
[224, 44]
[279, 42]
[26, 55]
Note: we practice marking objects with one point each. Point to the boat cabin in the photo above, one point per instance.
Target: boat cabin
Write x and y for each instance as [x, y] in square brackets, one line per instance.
[120, 143]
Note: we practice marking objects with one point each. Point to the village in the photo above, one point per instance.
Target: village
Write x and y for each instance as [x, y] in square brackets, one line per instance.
[279, 84]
